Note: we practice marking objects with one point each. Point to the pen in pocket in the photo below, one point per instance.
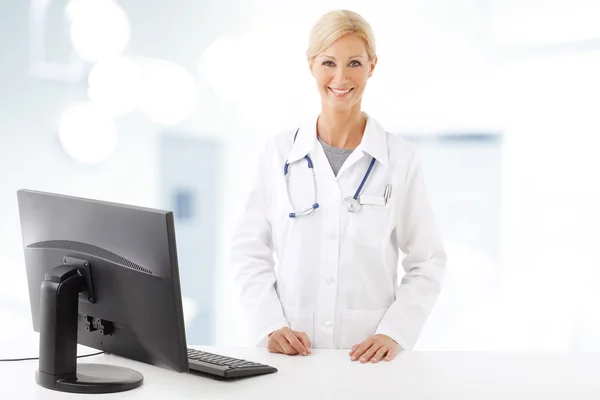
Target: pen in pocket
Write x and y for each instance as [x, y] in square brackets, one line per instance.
[387, 193]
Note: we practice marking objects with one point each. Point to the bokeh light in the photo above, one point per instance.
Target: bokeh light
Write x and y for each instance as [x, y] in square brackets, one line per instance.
[168, 91]
[87, 135]
[99, 28]
[115, 86]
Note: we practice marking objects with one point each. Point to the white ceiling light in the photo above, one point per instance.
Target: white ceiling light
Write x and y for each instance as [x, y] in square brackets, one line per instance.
[87, 135]
[284, 93]
[272, 95]
[510, 22]
[114, 86]
[99, 28]
[221, 64]
[168, 91]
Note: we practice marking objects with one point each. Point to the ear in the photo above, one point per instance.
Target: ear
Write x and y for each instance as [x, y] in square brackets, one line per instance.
[310, 65]
[372, 65]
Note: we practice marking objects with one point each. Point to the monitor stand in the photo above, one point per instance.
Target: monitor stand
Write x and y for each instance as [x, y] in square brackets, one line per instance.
[59, 311]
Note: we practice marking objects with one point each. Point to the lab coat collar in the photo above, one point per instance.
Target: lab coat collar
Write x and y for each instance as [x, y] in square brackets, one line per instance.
[305, 141]
[374, 141]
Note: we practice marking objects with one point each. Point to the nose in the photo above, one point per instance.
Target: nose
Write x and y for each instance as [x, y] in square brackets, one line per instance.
[341, 76]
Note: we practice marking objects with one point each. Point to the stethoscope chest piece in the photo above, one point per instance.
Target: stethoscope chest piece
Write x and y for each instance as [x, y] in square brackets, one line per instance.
[351, 204]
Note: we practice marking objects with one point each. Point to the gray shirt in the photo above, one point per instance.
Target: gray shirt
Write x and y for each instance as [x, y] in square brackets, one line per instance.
[335, 156]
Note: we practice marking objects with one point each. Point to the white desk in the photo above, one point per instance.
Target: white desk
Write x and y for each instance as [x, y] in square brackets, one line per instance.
[329, 374]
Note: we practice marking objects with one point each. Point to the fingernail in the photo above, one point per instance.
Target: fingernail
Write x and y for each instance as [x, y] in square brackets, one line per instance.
[304, 354]
[353, 358]
[374, 360]
[387, 359]
[362, 359]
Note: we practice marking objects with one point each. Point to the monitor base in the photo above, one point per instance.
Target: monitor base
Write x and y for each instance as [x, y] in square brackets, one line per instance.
[93, 378]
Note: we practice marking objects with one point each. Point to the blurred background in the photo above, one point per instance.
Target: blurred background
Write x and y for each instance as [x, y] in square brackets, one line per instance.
[165, 103]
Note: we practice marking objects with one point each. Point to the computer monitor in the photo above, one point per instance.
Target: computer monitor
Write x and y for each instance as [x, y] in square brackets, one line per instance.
[103, 275]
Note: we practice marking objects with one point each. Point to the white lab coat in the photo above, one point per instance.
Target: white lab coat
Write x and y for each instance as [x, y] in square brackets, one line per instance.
[337, 272]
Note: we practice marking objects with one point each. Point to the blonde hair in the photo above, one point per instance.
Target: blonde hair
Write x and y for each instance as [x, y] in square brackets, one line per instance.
[335, 24]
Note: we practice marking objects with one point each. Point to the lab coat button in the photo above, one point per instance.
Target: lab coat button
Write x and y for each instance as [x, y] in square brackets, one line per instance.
[328, 324]
[329, 279]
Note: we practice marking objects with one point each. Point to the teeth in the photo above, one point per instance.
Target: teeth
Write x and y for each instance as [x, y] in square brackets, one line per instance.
[336, 91]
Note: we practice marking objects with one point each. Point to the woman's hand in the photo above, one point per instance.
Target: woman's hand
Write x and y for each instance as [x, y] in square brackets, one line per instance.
[287, 341]
[374, 349]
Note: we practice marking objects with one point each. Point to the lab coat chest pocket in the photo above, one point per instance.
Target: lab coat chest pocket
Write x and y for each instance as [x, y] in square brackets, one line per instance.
[358, 325]
[300, 319]
[370, 224]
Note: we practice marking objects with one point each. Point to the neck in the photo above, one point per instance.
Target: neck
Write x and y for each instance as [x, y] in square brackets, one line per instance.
[341, 129]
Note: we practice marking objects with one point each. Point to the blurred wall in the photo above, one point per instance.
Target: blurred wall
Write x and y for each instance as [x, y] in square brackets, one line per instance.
[526, 69]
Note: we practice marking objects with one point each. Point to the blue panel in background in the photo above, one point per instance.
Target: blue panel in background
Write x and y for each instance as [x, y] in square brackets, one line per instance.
[189, 186]
[183, 205]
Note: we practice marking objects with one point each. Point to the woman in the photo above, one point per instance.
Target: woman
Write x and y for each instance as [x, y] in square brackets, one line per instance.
[337, 200]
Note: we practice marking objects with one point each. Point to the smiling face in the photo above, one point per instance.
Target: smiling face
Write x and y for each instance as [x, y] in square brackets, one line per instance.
[341, 73]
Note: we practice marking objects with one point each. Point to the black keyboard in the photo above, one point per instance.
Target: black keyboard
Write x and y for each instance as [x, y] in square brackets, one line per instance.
[225, 367]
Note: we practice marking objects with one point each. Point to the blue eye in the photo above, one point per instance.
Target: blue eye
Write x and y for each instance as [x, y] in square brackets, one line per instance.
[353, 63]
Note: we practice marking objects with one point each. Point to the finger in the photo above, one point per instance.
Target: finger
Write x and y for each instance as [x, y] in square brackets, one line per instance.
[364, 346]
[285, 345]
[360, 353]
[353, 349]
[391, 353]
[370, 352]
[278, 347]
[296, 344]
[303, 337]
[380, 353]
[274, 346]
[360, 350]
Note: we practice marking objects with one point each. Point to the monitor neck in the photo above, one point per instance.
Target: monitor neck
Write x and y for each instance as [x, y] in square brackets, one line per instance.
[59, 310]
[59, 313]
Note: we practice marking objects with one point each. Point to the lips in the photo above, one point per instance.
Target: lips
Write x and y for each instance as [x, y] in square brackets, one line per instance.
[340, 92]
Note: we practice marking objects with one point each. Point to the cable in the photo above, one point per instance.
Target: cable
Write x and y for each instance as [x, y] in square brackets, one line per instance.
[37, 358]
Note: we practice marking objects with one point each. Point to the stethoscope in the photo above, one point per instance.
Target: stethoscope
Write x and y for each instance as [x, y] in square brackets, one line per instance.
[351, 203]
